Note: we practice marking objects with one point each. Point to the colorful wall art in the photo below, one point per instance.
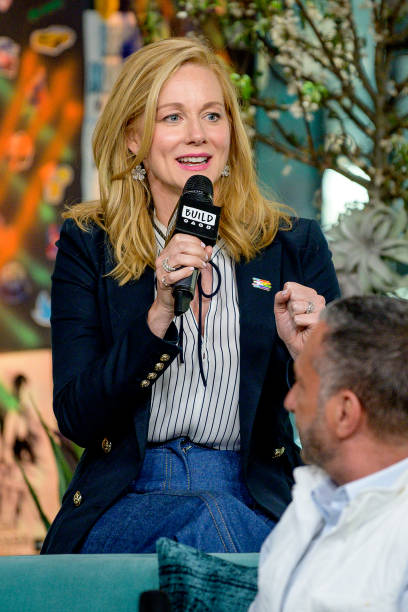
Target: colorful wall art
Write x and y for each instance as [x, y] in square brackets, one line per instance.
[41, 110]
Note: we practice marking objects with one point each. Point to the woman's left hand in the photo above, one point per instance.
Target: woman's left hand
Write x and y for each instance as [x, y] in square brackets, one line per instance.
[297, 309]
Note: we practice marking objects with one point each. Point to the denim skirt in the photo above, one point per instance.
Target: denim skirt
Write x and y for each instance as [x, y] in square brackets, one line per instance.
[189, 493]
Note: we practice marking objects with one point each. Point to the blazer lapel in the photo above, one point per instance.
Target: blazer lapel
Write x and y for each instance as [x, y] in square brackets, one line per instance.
[257, 328]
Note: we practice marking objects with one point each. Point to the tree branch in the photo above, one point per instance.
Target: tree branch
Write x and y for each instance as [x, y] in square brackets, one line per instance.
[300, 154]
[374, 8]
[402, 123]
[271, 48]
[358, 59]
[400, 86]
[319, 163]
[348, 111]
[398, 39]
[347, 87]
[285, 108]
[353, 177]
[306, 123]
[339, 98]
[381, 11]
[269, 104]
[286, 135]
[395, 11]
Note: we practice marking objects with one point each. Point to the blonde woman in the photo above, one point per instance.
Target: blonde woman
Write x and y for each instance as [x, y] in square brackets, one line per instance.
[179, 442]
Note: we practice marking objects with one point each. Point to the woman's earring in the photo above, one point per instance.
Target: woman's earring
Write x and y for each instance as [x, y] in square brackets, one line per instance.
[226, 171]
[138, 173]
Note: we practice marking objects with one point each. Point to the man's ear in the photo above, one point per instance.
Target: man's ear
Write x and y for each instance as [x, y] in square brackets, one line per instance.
[346, 414]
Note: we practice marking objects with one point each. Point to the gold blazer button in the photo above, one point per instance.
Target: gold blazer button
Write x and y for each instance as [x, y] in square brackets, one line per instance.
[106, 445]
[145, 383]
[278, 452]
[77, 499]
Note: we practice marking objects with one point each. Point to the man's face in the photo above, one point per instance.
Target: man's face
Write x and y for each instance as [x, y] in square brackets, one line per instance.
[303, 401]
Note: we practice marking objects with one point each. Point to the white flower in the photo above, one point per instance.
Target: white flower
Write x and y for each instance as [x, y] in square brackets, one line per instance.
[327, 28]
[292, 88]
[296, 110]
[386, 144]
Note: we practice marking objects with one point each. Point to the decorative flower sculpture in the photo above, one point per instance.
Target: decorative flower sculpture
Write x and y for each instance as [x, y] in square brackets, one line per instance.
[368, 244]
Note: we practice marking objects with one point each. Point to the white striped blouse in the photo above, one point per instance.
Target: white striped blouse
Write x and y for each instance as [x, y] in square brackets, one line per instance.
[181, 406]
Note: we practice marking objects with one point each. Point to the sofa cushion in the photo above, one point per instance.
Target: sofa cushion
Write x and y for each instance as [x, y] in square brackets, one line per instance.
[75, 583]
[196, 581]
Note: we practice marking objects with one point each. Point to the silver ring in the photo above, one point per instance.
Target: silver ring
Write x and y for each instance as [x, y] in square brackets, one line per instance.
[166, 266]
[164, 282]
[310, 308]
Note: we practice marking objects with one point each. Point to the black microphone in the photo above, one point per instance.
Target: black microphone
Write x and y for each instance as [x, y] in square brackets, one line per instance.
[154, 601]
[196, 215]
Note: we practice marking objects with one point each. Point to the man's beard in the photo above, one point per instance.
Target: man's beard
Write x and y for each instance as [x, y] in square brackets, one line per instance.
[316, 446]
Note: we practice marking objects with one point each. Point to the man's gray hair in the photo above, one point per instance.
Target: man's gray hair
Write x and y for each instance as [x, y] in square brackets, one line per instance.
[365, 349]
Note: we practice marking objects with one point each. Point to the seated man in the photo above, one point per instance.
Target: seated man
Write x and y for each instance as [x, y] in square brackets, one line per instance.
[342, 544]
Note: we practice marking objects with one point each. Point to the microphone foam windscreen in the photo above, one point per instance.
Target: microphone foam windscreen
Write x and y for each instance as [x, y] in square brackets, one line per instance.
[198, 182]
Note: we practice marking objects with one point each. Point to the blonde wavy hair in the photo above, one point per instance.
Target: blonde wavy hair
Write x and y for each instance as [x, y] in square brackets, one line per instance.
[248, 222]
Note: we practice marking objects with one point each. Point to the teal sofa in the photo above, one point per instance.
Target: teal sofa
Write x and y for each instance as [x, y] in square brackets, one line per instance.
[83, 583]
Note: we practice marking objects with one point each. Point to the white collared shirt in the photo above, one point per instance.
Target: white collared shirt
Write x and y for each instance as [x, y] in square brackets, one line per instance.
[181, 406]
[331, 501]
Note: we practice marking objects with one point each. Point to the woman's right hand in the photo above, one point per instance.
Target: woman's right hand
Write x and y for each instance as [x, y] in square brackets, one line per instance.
[184, 253]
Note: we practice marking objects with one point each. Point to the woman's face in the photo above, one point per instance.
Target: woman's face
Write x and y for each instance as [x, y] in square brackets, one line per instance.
[191, 134]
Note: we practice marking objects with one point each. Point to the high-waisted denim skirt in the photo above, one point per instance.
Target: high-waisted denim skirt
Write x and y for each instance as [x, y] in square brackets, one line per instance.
[189, 493]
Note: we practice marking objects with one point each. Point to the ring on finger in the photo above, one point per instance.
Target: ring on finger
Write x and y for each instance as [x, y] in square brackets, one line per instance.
[166, 266]
[309, 308]
[165, 283]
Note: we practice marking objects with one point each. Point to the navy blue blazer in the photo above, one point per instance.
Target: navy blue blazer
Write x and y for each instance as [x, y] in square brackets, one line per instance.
[103, 350]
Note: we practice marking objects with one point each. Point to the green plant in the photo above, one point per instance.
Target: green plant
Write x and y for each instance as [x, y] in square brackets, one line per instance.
[9, 402]
[65, 472]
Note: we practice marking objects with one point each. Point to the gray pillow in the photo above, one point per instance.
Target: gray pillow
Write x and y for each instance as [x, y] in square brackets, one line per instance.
[199, 582]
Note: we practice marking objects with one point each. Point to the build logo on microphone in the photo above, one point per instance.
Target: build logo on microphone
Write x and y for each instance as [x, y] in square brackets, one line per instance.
[195, 216]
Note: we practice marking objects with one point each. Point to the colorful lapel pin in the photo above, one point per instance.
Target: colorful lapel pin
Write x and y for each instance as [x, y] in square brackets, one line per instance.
[259, 283]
